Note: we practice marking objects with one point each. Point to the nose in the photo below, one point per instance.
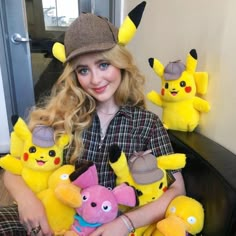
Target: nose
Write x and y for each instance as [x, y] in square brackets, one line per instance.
[96, 77]
[93, 204]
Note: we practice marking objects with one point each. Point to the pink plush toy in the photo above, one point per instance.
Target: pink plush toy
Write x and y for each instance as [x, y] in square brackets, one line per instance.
[99, 204]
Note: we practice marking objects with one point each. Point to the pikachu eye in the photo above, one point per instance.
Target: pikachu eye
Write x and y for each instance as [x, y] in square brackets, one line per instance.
[52, 153]
[182, 84]
[32, 149]
[166, 85]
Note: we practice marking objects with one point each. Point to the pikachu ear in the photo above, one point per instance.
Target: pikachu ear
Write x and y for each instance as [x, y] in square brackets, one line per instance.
[129, 27]
[157, 66]
[58, 51]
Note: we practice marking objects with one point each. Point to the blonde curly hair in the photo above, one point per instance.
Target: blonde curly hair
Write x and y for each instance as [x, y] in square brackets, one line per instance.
[69, 109]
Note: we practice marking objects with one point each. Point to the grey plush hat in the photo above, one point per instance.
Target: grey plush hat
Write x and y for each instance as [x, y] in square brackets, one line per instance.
[173, 70]
[143, 167]
[89, 33]
[43, 136]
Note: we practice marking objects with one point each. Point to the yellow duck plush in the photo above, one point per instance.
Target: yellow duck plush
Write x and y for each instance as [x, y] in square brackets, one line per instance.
[55, 199]
[180, 85]
[184, 216]
[34, 155]
[146, 173]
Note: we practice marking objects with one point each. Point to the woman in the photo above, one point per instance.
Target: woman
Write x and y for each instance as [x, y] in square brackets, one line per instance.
[99, 101]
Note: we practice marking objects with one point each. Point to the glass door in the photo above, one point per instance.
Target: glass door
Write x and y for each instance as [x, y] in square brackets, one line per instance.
[47, 21]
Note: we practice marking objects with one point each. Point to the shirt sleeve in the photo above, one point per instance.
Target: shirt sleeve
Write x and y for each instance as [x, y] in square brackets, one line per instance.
[159, 143]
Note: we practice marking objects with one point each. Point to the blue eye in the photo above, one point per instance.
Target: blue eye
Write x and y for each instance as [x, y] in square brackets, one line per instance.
[82, 71]
[104, 65]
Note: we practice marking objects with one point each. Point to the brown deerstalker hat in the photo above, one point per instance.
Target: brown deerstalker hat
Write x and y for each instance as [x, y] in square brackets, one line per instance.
[89, 33]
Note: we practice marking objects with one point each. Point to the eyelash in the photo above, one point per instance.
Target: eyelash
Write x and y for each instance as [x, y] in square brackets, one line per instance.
[106, 64]
[102, 65]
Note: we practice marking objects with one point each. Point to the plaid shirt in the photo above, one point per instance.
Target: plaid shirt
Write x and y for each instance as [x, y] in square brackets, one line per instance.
[132, 129]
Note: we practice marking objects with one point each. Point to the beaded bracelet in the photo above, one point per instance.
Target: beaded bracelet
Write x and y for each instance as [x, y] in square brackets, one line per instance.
[128, 222]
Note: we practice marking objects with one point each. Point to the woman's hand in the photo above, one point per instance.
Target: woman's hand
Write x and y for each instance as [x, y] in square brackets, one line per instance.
[114, 228]
[32, 216]
[31, 210]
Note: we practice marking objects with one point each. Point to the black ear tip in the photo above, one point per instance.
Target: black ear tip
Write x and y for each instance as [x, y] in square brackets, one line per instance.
[113, 148]
[136, 14]
[151, 61]
[14, 119]
[193, 53]
[143, 4]
[114, 153]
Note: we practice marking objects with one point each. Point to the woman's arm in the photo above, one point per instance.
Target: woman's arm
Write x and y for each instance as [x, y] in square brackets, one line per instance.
[31, 210]
[145, 215]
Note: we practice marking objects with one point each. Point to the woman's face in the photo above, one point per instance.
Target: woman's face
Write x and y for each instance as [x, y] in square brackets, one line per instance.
[98, 77]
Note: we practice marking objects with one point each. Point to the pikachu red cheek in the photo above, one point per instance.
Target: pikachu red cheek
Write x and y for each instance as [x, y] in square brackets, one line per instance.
[163, 92]
[26, 156]
[57, 160]
[188, 89]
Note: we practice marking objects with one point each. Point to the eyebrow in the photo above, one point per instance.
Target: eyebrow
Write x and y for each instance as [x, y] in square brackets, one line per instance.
[96, 63]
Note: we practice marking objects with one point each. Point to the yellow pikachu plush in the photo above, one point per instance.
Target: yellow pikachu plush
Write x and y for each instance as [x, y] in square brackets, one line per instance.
[146, 173]
[184, 216]
[180, 85]
[34, 155]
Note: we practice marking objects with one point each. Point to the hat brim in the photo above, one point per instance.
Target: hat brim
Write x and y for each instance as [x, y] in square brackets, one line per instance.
[98, 47]
[148, 178]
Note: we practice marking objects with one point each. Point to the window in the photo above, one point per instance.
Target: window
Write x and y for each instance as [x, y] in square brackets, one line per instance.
[59, 14]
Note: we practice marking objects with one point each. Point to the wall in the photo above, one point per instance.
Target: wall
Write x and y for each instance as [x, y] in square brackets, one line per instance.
[169, 30]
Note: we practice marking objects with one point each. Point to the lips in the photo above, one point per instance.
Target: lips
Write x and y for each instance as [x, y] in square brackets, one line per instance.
[100, 89]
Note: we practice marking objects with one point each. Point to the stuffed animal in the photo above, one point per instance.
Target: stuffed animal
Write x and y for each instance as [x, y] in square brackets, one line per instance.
[180, 85]
[59, 214]
[184, 216]
[99, 204]
[146, 173]
[126, 31]
[34, 155]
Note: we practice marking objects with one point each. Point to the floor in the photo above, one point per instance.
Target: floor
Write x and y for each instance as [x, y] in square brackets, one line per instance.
[46, 76]
[5, 198]
[39, 65]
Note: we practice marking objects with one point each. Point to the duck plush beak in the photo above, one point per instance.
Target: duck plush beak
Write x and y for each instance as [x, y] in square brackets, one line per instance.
[172, 223]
